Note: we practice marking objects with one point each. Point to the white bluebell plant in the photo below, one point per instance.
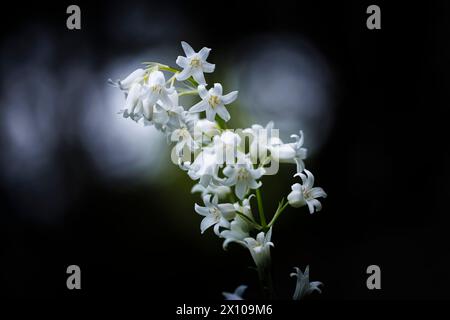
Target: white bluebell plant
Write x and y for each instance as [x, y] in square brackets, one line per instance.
[227, 173]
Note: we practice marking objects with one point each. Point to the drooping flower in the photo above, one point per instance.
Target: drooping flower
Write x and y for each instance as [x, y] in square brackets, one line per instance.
[226, 147]
[156, 89]
[261, 139]
[243, 177]
[305, 194]
[135, 77]
[205, 167]
[133, 102]
[239, 227]
[218, 191]
[236, 295]
[293, 152]
[205, 130]
[169, 117]
[260, 248]
[183, 138]
[194, 64]
[303, 286]
[215, 214]
[213, 102]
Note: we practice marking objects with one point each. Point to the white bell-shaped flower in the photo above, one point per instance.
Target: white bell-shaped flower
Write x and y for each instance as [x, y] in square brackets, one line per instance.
[205, 167]
[243, 177]
[156, 89]
[213, 102]
[215, 214]
[303, 287]
[306, 194]
[289, 152]
[260, 248]
[194, 64]
[239, 227]
[137, 76]
[236, 295]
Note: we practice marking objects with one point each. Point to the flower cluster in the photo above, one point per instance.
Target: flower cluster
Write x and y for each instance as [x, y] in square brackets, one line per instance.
[227, 172]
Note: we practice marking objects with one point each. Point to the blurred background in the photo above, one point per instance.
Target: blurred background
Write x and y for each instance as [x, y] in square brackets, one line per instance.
[81, 185]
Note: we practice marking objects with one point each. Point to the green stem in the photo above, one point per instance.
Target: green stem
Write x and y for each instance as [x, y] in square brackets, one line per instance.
[170, 69]
[262, 217]
[277, 214]
[265, 280]
[183, 93]
[253, 223]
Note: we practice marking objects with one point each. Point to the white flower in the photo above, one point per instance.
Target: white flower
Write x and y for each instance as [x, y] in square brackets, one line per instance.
[217, 215]
[215, 190]
[236, 295]
[303, 286]
[243, 177]
[214, 102]
[156, 89]
[135, 77]
[226, 147]
[302, 194]
[169, 116]
[204, 130]
[133, 102]
[260, 248]
[261, 139]
[183, 138]
[204, 167]
[239, 227]
[194, 64]
[290, 152]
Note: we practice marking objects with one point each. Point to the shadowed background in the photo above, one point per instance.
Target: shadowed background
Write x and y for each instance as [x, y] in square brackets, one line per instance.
[81, 185]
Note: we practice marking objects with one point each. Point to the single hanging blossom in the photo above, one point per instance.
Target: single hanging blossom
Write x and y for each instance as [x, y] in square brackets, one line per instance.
[239, 227]
[293, 152]
[205, 130]
[305, 194]
[205, 167]
[215, 214]
[303, 286]
[194, 64]
[217, 191]
[236, 295]
[226, 147]
[261, 139]
[156, 89]
[183, 138]
[260, 248]
[133, 103]
[135, 77]
[168, 117]
[213, 102]
[243, 176]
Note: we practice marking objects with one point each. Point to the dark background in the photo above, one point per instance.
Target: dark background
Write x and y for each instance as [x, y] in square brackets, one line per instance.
[383, 164]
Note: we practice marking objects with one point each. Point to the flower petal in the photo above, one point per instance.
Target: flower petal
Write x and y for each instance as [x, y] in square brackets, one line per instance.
[187, 49]
[182, 61]
[204, 53]
[203, 211]
[210, 114]
[217, 90]
[208, 67]
[199, 107]
[317, 192]
[240, 189]
[202, 92]
[230, 97]
[183, 75]
[207, 222]
[198, 76]
[223, 112]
